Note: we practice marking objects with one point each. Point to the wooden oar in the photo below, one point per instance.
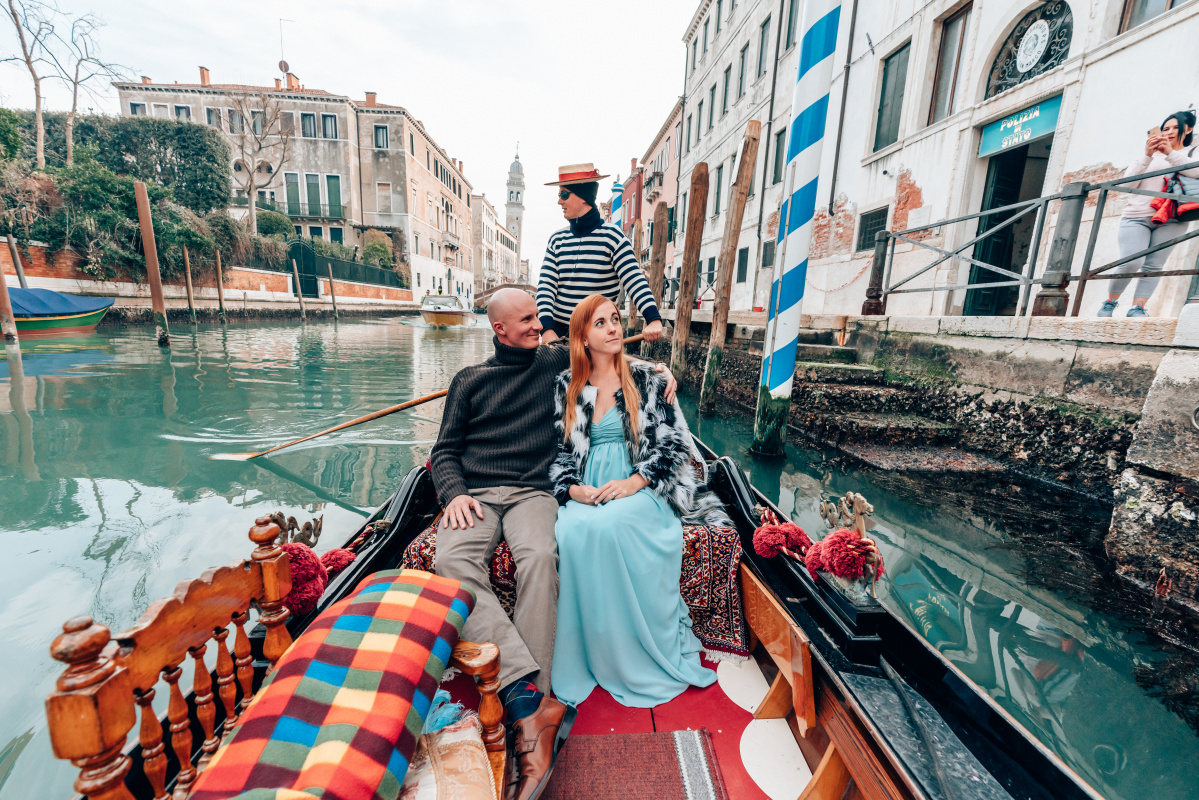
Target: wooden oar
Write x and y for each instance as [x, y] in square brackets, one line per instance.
[375, 415]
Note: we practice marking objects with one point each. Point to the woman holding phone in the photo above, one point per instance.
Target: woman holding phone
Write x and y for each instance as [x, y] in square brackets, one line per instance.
[1167, 146]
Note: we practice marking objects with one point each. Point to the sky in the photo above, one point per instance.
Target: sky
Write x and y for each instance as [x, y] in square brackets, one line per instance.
[571, 82]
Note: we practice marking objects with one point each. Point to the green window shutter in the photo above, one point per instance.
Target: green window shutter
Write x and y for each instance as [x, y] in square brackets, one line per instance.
[292, 182]
[314, 195]
[333, 193]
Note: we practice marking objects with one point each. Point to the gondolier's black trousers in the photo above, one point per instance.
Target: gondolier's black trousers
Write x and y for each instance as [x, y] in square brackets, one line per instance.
[525, 519]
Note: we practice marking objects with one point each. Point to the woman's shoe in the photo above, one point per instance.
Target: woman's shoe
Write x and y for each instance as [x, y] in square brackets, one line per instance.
[1137, 311]
[1109, 306]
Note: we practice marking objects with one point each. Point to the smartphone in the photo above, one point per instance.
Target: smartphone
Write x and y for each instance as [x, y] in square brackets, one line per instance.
[1155, 131]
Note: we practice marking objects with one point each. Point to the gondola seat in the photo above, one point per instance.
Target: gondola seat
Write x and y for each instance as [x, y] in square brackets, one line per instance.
[709, 582]
[346, 703]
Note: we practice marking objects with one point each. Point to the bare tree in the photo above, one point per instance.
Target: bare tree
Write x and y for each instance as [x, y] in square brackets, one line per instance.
[261, 134]
[34, 24]
[80, 64]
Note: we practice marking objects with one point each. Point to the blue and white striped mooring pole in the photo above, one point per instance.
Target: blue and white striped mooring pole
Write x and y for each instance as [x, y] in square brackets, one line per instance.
[809, 109]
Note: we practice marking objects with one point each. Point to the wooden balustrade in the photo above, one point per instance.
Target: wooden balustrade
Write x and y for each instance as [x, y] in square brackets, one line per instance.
[108, 678]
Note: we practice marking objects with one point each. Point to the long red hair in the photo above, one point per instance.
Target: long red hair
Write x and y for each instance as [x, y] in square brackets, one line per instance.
[580, 368]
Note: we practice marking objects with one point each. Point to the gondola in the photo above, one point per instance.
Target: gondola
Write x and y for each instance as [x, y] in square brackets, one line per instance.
[877, 712]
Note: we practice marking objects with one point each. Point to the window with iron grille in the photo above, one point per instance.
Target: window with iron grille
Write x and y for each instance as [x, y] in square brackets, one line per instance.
[869, 224]
[767, 255]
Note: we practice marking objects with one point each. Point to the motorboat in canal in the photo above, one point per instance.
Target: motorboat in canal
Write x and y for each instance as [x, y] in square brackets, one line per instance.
[49, 313]
[438, 309]
[874, 711]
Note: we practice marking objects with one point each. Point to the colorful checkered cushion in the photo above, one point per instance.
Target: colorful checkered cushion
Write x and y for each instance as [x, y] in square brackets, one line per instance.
[341, 714]
[709, 582]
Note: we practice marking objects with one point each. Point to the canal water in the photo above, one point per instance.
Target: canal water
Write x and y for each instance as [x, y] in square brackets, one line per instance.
[108, 499]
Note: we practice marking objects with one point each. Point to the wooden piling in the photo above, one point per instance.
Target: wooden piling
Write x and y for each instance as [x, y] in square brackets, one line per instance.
[332, 292]
[187, 276]
[295, 276]
[220, 287]
[689, 272]
[727, 261]
[16, 260]
[162, 331]
[8, 324]
[657, 264]
[633, 322]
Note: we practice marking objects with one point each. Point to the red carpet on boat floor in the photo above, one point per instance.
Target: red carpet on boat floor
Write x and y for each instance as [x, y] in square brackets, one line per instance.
[680, 765]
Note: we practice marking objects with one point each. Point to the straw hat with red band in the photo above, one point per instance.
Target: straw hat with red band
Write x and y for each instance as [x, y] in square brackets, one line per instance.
[577, 173]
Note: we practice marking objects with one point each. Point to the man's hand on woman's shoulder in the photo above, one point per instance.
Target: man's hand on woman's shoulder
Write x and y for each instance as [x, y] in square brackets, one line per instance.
[672, 385]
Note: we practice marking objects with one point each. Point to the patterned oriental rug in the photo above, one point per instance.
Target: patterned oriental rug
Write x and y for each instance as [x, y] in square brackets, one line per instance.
[638, 766]
[709, 582]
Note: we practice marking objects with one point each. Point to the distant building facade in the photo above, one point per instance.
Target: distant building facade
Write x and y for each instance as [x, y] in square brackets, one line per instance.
[353, 165]
[660, 181]
[514, 207]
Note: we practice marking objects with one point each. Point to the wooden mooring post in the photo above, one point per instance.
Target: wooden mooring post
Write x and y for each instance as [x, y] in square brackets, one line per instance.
[332, 292]
[689, 271]
[162, 331]
[634, 324]
[295, 276]
[16, 260]
[727, 261]
[220, 287]
[187, 278]
[8, 324]
[657, 263]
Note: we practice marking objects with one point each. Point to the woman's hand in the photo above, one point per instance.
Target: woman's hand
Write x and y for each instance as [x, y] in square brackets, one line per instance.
[583, 494]
[1155, 143]
[614, 490]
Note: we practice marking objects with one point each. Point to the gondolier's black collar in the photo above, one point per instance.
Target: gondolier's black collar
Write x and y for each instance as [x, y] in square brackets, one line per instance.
[581, 226]
[507, 354]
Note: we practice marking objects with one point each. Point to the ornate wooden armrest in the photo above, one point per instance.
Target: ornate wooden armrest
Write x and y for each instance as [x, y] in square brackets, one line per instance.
[482, 662]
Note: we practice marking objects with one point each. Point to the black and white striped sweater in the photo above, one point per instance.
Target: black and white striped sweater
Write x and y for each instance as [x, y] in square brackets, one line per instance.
[597, 262]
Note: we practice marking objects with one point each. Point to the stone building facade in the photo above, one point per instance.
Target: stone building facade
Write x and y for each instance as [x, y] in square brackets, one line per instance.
[514, 208]
[659, 184]
[353, 165]
[915, 133]
[495, 248]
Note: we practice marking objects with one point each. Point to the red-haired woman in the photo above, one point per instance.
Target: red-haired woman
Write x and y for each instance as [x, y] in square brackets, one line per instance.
[624, 478]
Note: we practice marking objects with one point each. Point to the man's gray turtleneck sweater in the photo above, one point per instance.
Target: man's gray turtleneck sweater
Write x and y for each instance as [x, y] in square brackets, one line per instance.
[498, 425]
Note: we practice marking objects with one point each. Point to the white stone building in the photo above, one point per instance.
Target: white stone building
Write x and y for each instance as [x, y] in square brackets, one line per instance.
[916, 101]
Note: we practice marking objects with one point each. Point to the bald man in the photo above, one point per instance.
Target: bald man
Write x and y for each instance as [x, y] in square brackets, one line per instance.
[490, 466]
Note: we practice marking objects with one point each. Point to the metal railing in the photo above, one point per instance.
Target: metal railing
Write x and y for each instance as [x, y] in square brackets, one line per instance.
[312, 210]
[244, 202]
[1059, 258]
[312, 265]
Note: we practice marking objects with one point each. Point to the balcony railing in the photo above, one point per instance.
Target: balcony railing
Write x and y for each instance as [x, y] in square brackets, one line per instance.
[313, 210]
[243, 202]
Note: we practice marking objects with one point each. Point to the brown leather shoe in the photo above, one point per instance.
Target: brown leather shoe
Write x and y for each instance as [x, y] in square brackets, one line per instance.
[534, 747]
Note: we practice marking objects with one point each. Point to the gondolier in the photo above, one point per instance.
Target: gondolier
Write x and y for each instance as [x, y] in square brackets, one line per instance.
[589, 256]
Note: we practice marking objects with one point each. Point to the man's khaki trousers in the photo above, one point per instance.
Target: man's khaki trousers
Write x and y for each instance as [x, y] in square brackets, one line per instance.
[525, 519]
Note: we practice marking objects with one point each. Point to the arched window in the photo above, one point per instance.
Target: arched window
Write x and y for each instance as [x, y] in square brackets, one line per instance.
[1039, 42]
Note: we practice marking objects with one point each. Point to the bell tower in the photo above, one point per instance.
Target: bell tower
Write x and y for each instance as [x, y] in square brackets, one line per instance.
[514, 207]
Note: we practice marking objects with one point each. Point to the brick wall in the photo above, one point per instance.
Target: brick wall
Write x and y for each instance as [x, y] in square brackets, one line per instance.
[833, 236]
[365, 291]
[38, 263]
[908, 197]
[255, 281]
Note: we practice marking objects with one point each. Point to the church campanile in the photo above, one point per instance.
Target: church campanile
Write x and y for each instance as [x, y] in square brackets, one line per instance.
[515, 206]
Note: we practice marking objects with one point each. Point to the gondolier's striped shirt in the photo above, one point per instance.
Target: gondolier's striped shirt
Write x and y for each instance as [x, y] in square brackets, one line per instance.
[597, 263]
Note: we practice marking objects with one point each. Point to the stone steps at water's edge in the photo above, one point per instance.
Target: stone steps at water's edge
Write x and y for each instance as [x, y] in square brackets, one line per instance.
[839, 398]
[826, 353]
[852, 374]
[874, 428]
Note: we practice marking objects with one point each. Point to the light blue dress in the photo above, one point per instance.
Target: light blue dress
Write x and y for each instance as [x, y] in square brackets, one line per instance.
[622, 623]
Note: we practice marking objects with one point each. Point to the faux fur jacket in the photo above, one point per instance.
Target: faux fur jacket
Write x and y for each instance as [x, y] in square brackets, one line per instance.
[662, 454]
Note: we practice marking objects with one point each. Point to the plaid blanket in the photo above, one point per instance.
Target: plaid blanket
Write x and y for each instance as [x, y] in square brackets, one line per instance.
[341, 714]
[709, 582]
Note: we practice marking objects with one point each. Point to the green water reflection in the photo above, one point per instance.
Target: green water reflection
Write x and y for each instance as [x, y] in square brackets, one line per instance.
[1061, 669]
[109, 500]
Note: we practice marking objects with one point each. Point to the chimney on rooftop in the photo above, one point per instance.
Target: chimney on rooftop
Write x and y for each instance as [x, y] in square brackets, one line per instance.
[293, 82]
[370, 98]
[633, 168]
[461, 168]
[278, 83]
[204, 76]
[146, 79]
